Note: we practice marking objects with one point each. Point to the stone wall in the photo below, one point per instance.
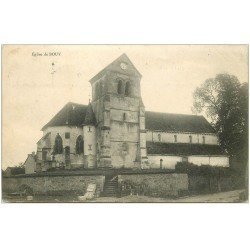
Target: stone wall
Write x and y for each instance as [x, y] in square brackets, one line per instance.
[199, 184]
[159, 185]
[149, 184]
[53, 185]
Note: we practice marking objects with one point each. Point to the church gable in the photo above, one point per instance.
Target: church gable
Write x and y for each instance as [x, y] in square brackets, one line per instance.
[121, 65]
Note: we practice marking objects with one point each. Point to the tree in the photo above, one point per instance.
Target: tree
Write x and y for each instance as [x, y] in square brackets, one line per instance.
[225, 101]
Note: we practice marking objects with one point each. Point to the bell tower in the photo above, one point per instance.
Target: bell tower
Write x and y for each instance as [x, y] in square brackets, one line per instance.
[120, 115]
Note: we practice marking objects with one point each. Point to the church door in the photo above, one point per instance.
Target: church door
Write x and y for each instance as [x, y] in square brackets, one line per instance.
[67, 156]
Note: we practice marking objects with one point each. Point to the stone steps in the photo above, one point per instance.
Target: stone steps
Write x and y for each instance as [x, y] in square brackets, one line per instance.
[110, 186]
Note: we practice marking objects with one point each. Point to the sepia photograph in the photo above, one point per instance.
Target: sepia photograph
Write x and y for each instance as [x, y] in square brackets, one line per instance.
[125, 123]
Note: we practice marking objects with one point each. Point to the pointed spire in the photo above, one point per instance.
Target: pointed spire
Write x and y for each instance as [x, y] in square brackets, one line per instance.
[90, 116]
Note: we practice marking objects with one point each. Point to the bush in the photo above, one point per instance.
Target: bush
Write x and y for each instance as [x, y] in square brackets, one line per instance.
[25, 190]
[206, 170]
[51, 169]
[17, 170]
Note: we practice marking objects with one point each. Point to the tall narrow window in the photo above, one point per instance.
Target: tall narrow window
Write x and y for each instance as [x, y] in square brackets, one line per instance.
[159, 137]
[97, 148]
[44, 154]
[120, 87]
[67, 135]
[161, 163]
[203, 140]
[124, 116]
[97, 90]
[101, 90]
[190, 139]
[90, 129]
[128, 89]
[58, 147]
[175, 138]
[79, 145]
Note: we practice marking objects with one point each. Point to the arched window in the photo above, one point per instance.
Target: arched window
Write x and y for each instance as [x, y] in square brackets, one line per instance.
[125, 147]
[175, 138]
[128, 89]
[159, 137]
[190, 139]
[58, 147]
[161, 163]
[120, 87]
[79, 145]
[44, 154]
[203, 140]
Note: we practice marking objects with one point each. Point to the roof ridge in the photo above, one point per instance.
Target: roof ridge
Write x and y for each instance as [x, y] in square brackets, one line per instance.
[74, 103]
[159, 112]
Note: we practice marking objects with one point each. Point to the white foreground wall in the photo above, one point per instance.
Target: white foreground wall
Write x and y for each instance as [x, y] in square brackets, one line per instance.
[168, 161]
[220, 161]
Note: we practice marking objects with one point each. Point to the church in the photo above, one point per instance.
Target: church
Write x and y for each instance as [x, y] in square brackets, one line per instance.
[115, 131]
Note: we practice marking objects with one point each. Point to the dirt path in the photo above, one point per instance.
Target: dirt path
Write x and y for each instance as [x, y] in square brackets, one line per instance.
[231, 196]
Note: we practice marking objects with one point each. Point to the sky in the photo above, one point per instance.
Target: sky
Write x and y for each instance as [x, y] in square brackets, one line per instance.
[37, 84]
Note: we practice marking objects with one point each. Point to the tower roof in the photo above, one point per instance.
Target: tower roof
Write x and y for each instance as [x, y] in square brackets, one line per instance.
[121, 65]
[90, 116]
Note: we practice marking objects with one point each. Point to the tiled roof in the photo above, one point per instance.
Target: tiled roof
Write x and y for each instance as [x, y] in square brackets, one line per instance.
[177, 123]
[183, 149]
[90, 116]
[73, 114]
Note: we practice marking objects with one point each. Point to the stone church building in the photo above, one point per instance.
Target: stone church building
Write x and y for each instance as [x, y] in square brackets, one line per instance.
[115, 131]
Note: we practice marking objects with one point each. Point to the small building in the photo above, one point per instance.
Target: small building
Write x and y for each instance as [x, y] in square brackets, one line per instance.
[8, 171]
[30, 164]
[11, 171]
